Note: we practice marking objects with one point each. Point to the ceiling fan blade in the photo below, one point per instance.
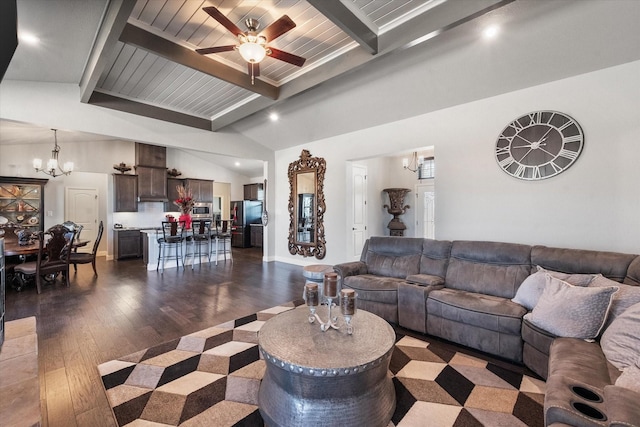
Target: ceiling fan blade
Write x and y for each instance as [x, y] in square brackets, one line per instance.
[287, 57]
[278, 28]
[223, 20]
[215, 49]
[253, 69]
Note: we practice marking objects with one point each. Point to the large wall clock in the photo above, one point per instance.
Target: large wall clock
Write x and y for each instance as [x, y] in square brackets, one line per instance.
[539, 145]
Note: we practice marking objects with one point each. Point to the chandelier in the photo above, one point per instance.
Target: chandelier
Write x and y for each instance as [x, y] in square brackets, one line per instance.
[414, 164]
[53, 165]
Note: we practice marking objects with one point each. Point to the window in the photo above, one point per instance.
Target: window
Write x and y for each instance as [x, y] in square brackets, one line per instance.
[427, 169]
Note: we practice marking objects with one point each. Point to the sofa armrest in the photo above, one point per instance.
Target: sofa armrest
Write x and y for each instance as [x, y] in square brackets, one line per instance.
[412, 305]
[622, 406]
[425, 279]
[351, 268]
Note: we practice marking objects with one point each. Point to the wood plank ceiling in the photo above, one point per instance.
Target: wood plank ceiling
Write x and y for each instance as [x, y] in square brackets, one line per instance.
[144, 59]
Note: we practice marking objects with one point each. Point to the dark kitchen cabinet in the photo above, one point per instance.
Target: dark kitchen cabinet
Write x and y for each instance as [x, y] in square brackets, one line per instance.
[172, 193]
[254, 192]
[125, 193]
[202, 189]
[152, 184]
[256, 235]
[127, 244]
[151, 155]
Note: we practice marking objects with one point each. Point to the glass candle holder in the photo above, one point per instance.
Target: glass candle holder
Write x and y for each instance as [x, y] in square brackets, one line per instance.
[348, 307]
[312, 299]
[330, 285]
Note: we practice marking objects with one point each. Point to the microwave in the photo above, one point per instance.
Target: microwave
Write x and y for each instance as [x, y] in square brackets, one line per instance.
[202, 210]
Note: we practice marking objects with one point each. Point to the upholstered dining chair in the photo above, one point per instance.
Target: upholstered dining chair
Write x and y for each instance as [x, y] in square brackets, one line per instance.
[54, 248]
[86, 258]
[72, 226]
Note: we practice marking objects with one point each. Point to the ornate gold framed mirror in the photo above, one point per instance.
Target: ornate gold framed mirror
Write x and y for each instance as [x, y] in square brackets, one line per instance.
[306, 206]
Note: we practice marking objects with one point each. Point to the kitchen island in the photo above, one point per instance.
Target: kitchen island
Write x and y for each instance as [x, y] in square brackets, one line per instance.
[150, 251]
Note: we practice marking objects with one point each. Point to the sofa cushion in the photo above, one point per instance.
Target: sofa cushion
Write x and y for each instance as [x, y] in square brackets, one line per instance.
[613, 265]
[435, 257]
[621, 341]
[633, 273]
[426, 279]
[623, 299]
[396, 257]
[630, 377]
[489, 268]
[530, 290]
[571, 311]
[374, 288]
[485, 311]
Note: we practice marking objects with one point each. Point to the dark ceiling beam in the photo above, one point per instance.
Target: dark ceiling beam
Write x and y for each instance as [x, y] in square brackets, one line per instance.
[351, 21]
[160, 46]
[115, 18]
[8, 33]
[121, 104]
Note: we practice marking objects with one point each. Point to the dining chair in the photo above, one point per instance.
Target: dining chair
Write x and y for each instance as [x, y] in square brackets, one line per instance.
[72, 226]
[86, 258]
[54, 248]
[200, 238]
[172, 238]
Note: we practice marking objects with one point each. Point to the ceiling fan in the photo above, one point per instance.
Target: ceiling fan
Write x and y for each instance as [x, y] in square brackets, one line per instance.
[253, 45]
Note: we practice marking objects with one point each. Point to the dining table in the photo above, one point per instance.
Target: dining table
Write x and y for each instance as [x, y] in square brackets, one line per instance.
[13, 248]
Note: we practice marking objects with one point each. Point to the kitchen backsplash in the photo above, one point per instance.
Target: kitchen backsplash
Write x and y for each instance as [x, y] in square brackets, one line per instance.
[150, 214]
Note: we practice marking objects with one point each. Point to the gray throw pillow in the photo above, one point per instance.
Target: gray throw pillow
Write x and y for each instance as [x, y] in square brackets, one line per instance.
[626, 296]
[620, 342]
[531, 288]
[630, 378]
[571, 311]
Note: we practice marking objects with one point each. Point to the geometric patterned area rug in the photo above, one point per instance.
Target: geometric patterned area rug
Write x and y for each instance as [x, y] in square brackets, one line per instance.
[212, 378]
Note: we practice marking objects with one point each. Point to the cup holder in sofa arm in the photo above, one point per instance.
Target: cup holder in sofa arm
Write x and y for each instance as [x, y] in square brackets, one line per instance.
[586, 393]
[588, 411]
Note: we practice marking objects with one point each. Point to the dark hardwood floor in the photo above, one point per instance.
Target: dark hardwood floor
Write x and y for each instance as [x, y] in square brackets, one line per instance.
[126, 309]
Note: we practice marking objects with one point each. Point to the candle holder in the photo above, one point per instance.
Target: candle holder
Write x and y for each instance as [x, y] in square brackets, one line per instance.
[311, 298]
[348, 307]
[347, 303]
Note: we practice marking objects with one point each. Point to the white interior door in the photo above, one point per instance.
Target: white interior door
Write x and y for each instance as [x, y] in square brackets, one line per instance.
[359, 220]
[425, 218]
[81, 207]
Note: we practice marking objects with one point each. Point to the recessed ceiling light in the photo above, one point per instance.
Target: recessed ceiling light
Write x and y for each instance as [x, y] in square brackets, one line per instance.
[491, 32]
[29, 39]
[237, 164]
[274, 117]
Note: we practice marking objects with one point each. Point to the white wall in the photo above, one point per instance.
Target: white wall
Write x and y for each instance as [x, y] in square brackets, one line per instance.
[93, 162]
[593, 205]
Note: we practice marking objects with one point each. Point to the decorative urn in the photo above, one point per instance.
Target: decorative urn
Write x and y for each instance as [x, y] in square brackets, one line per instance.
[396, 199]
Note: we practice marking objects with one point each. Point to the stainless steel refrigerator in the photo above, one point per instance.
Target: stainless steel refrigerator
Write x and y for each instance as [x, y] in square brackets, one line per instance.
[244, 213]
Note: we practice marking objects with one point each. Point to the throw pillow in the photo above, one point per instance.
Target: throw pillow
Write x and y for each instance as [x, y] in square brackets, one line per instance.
[620, 342]
[531, 288]
[626, 296]
[571, 311]
[630, 378]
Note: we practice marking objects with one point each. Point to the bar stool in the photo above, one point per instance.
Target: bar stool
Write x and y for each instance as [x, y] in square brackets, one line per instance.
[200, 237]
[172, 237]
[222, 233]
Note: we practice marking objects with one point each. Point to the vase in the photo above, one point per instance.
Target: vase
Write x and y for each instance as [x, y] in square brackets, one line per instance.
[396, 199]
[186, 217]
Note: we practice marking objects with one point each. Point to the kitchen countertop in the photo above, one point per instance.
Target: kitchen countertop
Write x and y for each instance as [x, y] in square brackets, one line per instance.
[136, 228]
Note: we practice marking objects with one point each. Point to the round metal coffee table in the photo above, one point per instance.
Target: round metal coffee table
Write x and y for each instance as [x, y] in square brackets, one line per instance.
[316, 378]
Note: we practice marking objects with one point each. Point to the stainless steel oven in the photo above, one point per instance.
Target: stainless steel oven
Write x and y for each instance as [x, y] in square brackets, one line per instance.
[202, 211]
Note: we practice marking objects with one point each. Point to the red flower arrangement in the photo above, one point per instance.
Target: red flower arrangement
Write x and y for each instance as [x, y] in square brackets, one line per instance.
[185, 200]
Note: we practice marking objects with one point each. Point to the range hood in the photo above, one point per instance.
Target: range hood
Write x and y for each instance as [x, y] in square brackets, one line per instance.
[151, 168]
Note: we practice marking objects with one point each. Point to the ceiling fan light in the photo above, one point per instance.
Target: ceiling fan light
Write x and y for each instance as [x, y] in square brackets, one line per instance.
[252, 52]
